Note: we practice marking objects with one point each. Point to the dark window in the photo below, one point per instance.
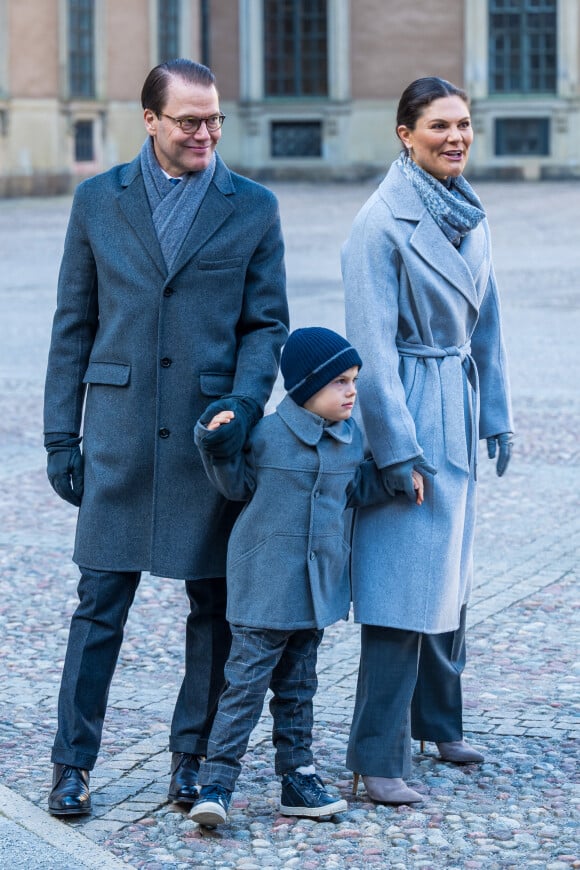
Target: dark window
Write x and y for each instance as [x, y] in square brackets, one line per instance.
[296, 139]
[295, 50]
[81, 48]
[168, 29]
[84, 148]
[522, 137]
[205, 28]
[522, 46]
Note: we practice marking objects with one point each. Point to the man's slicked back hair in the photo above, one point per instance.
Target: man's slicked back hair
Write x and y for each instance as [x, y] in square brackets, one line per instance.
[154, 92]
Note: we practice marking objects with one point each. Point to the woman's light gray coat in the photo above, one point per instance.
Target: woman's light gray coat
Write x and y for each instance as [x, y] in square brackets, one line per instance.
[288, 551]
[151, 349]
[425, 319]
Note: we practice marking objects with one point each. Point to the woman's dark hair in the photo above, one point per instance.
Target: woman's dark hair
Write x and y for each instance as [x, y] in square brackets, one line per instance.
[154, 93]
[420, 94]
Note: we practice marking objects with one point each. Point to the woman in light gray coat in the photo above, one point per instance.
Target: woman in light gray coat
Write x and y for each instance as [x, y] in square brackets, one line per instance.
[422, 307]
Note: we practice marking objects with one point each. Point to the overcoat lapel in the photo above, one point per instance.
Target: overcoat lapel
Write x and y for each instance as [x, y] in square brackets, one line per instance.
[213, 211]
[433, 246]
[475, 251]
[135, 206]
[429, 241]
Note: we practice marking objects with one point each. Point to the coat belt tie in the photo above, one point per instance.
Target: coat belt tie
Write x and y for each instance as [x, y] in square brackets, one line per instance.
[456, 362]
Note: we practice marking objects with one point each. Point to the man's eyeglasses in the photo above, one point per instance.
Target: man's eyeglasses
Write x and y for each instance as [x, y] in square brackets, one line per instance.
[192, 125]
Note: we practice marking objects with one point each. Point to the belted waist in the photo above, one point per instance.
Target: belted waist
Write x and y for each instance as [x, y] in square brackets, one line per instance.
[462, 351]
[408, 348]
[454, 358]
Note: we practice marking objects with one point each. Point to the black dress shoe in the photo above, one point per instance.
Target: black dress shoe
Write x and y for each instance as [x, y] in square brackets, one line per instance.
[183, 785]
[70, 791]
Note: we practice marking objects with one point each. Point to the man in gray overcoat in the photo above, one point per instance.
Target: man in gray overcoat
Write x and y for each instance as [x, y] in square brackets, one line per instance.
[171, 305]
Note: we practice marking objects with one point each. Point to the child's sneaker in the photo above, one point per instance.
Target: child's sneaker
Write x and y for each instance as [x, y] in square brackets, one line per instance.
[305, 795]
[211, 807]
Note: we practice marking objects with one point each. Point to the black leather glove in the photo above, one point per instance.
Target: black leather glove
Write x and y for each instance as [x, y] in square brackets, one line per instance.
[65, 466]
[504, 442]
[399, 476]
[229, 438]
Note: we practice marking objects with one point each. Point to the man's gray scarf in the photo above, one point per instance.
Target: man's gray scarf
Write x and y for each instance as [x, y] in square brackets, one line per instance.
[453, 204]
[173, 206]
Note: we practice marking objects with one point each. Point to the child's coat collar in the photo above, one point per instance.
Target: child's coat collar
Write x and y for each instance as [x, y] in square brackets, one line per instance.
[310, 427]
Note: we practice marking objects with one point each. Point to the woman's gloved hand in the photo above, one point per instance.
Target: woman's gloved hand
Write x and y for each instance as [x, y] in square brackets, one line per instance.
[227, 440]
[504, 443]
[399, 476]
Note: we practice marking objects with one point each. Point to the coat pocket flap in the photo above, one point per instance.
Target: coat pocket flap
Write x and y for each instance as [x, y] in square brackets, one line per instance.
[216, 383]
[113, 374]
[231, 263]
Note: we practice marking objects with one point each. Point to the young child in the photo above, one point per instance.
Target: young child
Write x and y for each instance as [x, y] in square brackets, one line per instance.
[287, 566]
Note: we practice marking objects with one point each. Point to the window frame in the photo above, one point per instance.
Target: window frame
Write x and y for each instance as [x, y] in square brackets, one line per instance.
[88, 126]
[168, 29]
[81, 59]
[291, 57]
[525, 43]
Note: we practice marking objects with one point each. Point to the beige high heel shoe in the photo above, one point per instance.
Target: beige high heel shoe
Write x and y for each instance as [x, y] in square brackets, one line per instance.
[457, 751]
[386, 790]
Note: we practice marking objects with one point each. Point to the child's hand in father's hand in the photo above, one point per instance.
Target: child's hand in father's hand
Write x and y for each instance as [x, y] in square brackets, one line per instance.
[220, 419]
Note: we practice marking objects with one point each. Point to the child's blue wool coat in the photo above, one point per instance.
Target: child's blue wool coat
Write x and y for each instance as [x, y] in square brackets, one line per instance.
[288, 553]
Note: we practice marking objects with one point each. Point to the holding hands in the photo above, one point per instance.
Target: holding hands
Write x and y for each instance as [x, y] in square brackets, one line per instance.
[240, 413]
[220, 419]
[419, 484]
[407, 477]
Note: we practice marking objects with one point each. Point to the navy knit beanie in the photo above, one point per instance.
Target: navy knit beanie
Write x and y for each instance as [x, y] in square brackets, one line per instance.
[311, 358]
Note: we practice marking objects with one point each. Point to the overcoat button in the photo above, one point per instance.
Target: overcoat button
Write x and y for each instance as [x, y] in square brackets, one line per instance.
[168, 291]
[164, 433]
[313, 555]
[165, 362]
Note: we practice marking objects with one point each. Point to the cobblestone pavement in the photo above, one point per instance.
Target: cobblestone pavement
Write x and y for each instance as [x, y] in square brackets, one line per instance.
[519, 808]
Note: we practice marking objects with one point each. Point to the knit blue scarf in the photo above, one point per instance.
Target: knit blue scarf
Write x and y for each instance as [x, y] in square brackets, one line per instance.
[173, 206]
[453, 204]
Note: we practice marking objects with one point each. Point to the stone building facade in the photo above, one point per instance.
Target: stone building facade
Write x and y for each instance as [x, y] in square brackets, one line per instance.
[309, 87]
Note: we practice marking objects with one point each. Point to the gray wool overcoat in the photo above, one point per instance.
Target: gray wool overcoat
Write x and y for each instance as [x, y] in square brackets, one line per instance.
[146, 350]
[425, 319]
[288, 552]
